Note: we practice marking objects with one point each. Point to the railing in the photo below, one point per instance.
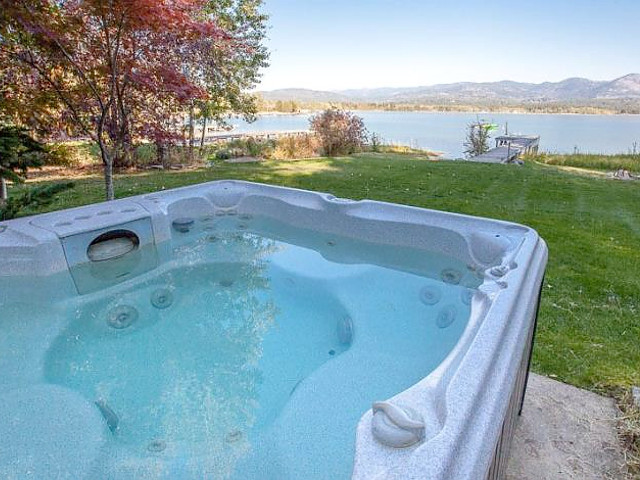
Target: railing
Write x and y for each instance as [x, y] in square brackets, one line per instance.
[258, 135]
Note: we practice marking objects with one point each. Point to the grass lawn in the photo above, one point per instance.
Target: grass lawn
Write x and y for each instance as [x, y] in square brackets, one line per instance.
[604, 163]
[589, 330]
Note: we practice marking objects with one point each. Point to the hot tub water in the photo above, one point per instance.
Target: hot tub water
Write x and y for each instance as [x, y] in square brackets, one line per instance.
[256, 359]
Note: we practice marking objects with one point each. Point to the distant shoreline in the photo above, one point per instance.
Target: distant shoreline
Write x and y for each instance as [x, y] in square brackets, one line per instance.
[269, 113]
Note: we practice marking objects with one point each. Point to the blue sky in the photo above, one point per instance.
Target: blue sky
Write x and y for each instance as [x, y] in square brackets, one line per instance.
[333, 44]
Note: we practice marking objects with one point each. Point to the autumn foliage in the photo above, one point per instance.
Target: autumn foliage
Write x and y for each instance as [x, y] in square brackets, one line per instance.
[118, 71]
[340, 132]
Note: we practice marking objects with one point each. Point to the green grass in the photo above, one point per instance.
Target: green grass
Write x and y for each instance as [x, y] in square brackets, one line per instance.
[607, 163]
[589, 331]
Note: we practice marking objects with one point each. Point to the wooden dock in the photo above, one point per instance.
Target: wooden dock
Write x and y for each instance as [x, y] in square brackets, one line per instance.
[509, 148]
[224, 136]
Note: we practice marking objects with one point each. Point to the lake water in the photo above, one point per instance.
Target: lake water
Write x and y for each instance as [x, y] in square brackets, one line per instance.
[444, 132]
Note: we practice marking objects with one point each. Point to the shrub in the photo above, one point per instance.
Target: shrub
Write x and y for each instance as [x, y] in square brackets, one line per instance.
[19, 151]
[144, 154]
[477, 140]
[223, 154]
[253, 148]
[339, 132]
[376, 142]
[64, 155]
[249, 147]
[296, 146]
[31, 197]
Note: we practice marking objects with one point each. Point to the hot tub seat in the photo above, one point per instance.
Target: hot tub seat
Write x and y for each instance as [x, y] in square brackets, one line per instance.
[53, 432]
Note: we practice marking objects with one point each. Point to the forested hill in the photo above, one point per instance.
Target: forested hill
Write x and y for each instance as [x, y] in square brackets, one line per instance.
[571, 89]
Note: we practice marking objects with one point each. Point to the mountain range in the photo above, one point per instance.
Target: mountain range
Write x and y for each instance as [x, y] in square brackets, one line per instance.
[571, 89]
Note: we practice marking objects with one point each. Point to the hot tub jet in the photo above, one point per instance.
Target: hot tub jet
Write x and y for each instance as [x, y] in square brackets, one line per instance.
[122, 317]
[162, 298]
[156, 446]
[446, 316]
[430, 295]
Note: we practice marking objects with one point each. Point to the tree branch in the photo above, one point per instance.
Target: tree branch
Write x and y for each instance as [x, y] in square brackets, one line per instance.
[59, 91]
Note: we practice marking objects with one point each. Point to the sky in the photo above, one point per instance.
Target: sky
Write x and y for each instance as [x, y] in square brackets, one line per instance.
[341, 44]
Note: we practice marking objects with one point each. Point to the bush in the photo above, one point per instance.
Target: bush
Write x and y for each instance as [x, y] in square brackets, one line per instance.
[64, 155]
[19, 152]
[249, 147]
[339, 132]
[31, 197]
[223, 154]
[74, 154]
[477, 140]
[144, 154]
[376, 142]
[296, 146]
[254, 148]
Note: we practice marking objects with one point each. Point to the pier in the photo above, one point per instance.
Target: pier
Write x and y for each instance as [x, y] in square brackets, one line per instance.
[218, 136]
[509, 148]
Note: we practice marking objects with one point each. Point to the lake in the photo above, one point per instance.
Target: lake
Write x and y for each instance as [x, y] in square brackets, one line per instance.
[444, 132]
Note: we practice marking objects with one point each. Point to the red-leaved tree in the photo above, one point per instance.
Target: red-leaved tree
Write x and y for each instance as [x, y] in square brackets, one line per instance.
[114, 69]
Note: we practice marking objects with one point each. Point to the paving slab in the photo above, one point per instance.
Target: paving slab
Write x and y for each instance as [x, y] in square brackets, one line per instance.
[565, 433]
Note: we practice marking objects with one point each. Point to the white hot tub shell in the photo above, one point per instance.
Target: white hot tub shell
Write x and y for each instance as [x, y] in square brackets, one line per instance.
[467, 406]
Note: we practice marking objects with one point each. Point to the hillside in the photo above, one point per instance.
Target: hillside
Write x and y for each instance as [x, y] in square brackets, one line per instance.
[571, 89]
[303, 95]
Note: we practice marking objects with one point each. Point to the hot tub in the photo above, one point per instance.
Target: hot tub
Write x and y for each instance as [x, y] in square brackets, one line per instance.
[238, 330]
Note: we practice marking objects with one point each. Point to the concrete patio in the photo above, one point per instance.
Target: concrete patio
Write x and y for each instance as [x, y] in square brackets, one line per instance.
[565, 433]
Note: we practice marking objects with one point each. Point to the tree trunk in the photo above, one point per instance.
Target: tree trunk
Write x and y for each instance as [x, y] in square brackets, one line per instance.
[162, 156]
[191, 132]
[4, 192]
[159, 153]
[108, 180]
[204, 129]
[129, 153]
[107, 161]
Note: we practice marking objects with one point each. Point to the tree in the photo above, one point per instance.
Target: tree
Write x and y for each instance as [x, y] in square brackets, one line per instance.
[19, 151]
[340, 132]
[239, 68]
[477, 141]
[207, 110]
[116, 69]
